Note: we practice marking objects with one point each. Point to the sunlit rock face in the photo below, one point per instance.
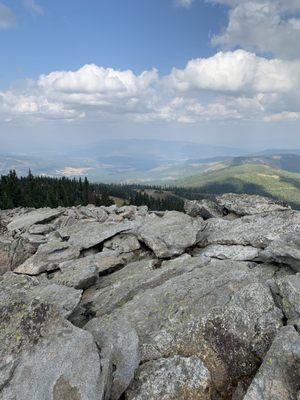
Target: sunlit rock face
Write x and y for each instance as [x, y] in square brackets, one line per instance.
[112, 303]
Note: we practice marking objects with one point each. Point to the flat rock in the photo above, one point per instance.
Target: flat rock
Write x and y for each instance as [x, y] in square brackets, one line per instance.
[170, 235]
[48, 257]
[33, 217]
[278, 377]
[172, 378]
[245, 204]
[94, 233]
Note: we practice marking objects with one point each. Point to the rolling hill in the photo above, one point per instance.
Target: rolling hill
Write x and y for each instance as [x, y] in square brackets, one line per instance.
[249, 178]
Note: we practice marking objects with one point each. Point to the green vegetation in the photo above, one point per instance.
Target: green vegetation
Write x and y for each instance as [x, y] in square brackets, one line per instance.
[41, 191]
[246, 178]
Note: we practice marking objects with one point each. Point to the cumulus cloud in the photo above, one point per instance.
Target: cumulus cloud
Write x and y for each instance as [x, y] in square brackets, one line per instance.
[7, 17]
[267, 26]
[238, 71]
[74, 94]
[233, 85]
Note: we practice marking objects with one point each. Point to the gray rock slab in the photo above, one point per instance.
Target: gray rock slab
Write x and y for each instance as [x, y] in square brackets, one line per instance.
[48, 257]
[33, 217]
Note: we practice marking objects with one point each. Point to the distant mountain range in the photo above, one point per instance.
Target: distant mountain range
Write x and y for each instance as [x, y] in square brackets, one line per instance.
[122, 160]
[212, 169]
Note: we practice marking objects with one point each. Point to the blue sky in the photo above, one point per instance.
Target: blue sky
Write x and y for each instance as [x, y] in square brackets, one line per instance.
[222, 71]
[134, 34]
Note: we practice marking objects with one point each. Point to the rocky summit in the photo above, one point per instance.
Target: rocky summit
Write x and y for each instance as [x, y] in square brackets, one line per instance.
[107, 303]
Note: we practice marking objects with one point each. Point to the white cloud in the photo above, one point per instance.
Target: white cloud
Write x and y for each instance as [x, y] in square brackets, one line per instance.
[234, 85]
[89, 90]
[33, 7]
[270, 26]
[238, 71]
[7, 17]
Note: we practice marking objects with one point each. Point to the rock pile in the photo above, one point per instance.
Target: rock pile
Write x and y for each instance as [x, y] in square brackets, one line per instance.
[107, 303]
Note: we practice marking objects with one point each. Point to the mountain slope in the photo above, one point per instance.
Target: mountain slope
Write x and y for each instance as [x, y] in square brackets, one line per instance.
[288, 162]
[251, 179]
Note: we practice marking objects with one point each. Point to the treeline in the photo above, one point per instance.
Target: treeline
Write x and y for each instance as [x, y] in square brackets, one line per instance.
[42, 191]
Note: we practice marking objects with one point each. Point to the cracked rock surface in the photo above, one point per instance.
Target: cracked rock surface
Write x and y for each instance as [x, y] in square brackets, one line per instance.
[111, 303]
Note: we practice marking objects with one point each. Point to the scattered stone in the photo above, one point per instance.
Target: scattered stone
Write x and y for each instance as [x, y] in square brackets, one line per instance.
[171, 306]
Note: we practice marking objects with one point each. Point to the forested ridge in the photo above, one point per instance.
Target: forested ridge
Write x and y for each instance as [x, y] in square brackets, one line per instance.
[43, 191]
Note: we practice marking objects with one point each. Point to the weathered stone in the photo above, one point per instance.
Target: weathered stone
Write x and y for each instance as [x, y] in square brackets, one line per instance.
[33, 217]
[279, 376]
[170, 235]
[245, 204]
[48, 257]
[203, 208]
[183, 378]
[225, 252]
[45, 357]
[254, 230]
[284, 250]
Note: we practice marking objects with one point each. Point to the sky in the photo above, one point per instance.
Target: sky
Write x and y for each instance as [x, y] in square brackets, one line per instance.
[213, 71]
